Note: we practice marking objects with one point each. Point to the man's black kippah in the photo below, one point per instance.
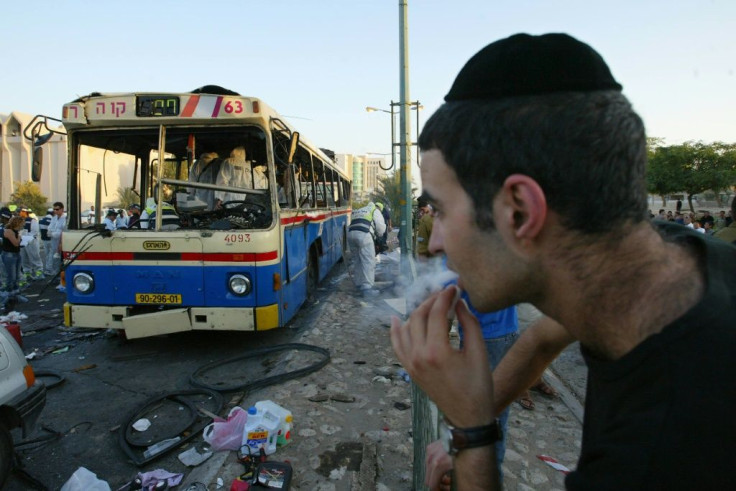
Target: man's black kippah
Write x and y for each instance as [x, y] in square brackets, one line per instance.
[529, 65]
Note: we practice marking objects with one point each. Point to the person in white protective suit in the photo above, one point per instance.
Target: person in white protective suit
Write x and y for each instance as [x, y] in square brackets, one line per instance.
[205, 170]
[56, 227]
[30, 254]
[366, 224]
[238, 172]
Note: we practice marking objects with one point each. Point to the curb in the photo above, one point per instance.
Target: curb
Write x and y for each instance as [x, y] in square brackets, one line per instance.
[565, 394]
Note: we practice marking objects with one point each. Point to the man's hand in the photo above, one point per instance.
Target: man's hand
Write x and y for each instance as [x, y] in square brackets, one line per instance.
[458, 381]
[438, 467]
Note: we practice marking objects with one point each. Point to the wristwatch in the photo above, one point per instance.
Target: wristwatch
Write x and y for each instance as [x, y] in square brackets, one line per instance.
[456, 439]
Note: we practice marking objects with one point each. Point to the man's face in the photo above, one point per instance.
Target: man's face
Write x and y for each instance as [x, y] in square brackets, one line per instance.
[480, 258]
[58, 211]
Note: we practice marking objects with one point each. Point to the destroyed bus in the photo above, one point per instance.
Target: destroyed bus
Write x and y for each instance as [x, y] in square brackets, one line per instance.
[240, 216]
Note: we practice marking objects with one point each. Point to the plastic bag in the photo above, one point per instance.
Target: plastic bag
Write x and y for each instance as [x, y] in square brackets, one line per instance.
[227, 435]
[85, 480]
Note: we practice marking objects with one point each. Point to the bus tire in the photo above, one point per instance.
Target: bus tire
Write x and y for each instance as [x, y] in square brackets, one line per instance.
[312, 273]
[344, 245]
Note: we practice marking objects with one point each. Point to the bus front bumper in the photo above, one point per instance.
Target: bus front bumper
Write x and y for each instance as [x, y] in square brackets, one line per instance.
[171, 321]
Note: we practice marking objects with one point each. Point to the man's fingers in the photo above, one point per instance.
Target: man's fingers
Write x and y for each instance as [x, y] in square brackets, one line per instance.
[473, 342]
[400, 337]
[438, 323]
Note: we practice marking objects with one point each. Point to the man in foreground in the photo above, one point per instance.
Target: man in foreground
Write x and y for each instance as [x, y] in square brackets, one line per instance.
[535, 137]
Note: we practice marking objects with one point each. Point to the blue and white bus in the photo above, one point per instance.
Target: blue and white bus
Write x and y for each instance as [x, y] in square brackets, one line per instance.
[214, 253]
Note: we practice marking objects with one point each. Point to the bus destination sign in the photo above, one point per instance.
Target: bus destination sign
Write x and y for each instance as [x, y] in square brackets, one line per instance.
[156, 105]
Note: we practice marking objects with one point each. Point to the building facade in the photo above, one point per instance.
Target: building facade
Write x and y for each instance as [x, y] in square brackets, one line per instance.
[364, 170]
[16, 159]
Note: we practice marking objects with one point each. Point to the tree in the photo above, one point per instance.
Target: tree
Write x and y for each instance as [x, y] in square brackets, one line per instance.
[717, 170]
[126, 197]
[666, 171]
[389, 191]
[692, 167]
[708, 166]
[28, 194]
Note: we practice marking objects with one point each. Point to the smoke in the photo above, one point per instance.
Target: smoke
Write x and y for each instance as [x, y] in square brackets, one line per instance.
[432, 276]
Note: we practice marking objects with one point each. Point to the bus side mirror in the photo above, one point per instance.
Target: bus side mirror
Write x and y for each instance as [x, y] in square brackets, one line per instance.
[293, 144]
[37, 164]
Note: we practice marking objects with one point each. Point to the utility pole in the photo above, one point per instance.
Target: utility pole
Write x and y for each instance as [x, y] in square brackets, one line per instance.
[407, 264]
[423, 413]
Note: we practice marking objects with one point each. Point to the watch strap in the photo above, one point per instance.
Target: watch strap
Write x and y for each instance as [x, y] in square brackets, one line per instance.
[477, 436]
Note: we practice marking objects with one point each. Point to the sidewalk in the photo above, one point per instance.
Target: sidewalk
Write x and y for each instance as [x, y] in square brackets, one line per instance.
[353, 421]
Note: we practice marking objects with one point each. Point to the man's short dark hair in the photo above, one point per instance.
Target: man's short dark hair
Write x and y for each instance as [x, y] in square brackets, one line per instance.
[59, 204]
[547, 107]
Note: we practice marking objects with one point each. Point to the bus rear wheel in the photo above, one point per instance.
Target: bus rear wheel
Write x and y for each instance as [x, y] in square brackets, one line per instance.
[312, 274]
[344, 245]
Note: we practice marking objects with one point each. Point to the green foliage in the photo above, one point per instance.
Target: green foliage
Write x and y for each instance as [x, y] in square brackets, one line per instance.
[126, 197]
[389, 191]
[692, 167]
[28, 194]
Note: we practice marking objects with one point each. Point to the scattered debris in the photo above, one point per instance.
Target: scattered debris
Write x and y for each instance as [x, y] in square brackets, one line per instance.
[552, 462]
[384, 371]
[50, 378]
[12, 317]
[382, 380]
[195, 455]
[342, 398]
[84, 367]
[142, 424]
[401, 406]
[403, 374]
[84, 479]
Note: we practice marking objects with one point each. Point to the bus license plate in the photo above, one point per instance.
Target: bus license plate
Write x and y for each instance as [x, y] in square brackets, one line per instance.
[158, 298]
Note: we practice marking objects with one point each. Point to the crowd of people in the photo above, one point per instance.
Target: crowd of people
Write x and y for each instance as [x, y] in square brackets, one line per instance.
[704, 223]
[31, 248]
[534, 138]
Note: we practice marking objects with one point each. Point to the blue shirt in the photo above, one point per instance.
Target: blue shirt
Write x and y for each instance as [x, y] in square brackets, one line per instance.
[492, 324]
[495, 324]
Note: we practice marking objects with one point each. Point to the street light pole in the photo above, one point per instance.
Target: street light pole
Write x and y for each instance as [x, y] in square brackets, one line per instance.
[393, 139]
[406, 232]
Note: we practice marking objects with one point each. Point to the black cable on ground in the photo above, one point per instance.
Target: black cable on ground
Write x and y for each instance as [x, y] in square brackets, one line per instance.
[130, 435]
[49, 436]
[187, 434]
[50, 373]
[257, 384]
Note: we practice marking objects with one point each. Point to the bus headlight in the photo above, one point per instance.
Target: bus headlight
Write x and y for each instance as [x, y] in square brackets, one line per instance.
[239, 284]
[83, 282]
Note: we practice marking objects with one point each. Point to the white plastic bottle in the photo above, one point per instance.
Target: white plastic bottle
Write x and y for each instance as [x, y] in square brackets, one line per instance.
[285, 420]
[261, 431]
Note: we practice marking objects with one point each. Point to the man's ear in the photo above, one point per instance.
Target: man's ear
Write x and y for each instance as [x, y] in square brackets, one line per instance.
[524, 205]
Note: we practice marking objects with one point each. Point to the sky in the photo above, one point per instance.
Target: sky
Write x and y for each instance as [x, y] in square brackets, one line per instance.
[321, 62]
